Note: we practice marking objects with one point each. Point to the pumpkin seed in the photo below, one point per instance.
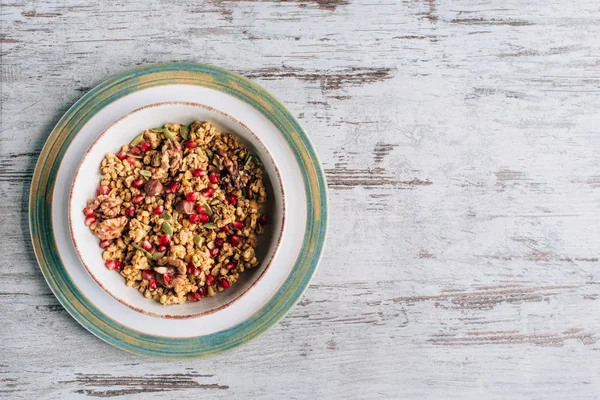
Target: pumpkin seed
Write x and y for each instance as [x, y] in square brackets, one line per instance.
[208, 209]
[166, 216]
[184, 131]
[145, 173]
[167, 228]
[214, 202]
[168, 134]
[157, 255]
[146, 253]
[248, 159]
[210, 225]
[134, 156]
[136, 140]
[198, 240]
[211, 245]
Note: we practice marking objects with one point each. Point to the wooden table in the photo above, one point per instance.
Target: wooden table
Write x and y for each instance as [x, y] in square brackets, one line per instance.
[460, 141]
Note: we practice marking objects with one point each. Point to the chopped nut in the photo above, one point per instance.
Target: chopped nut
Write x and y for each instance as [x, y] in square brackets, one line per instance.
[153, 187]
[185, 207]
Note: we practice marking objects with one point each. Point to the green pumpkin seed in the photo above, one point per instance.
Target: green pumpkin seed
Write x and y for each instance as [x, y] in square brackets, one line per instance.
[157, 255]
[198, 240]
[210, 225]
[166, 216]
[145, 173]
[184, 131]
[214, 202]
[168, 134]
[167, 228]
[134, 156]
[146, 253]
[208, 209]
[136, 140]
[211, 245]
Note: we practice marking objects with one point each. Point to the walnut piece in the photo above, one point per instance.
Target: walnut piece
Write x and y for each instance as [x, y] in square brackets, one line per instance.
[111, 228]
[172, 155]
[153, 187]
[110, 206]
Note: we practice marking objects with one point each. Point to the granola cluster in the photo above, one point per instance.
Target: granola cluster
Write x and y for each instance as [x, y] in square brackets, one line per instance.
[178, 212]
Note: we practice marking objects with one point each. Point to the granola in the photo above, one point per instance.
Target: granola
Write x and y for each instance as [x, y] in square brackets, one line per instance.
[178, 212]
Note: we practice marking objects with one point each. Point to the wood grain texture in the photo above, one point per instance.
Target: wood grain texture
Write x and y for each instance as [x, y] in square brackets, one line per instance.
[460, 141]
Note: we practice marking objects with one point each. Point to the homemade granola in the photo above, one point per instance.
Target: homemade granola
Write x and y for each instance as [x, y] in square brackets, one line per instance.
[177, 212]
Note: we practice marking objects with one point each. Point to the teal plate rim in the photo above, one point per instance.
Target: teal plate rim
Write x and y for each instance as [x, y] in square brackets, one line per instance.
[90, 316]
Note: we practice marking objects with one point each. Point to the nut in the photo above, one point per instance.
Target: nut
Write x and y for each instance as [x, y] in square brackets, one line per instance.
[185, 207]
[153, 187]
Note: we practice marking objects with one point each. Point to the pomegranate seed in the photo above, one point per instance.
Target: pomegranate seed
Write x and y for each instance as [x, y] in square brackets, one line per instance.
[204, 218]
[263, 219]
[164, 239]
[208, 192]
[225, 229]
[196, 272]
[146, 245]
[238, 224]
[115, 265]
[88, 211]
[162, 249]
[195, 296]
[235, 240]
[224, 283]
[230, 266]
[130, 212]
[190, 144]
[152, 284]
[214, 252]
[105, 243]
[137, 199]
[200, 210]
[198, 172]
[138, 183]
[192, 196]
[90, 220]
[219, 242]
[194, 218]
[103, 189]
[210, 279]
[190, 269]
[122, 155]
[144, 146]
[135, 151]
[131, 160]
[172, 187]
[202, 292]
[147, 274]
[231, 199]
[167, 278]
[110, 264]
[213, 178]
[159, 210]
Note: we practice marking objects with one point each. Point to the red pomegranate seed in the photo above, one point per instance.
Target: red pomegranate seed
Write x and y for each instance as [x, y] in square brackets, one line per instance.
[225, 228]
[159, 209]
[147, 274]
[235, 240]
[138, 183]
[130, 212]
[190, 144]
[231, 199]
[144, 146]
[121, 155]
[190, 269]
[191, 196]
[131, 160]
[194, 218]
[196, 272]
[210, 279]
[135, 151]
[172, 187]
[167, 278]
[208, 192]
[263, 219]
[90, 220]
[219, 242]
[137, 199]
[103, 189]
[224, 283]
[238, 224]
[88, 211]
[230, 266]
[213, 178]
[204, 218]
[105, 243]
[146, 245]
[198, 172]
[195, 296]
[152, 284]
[202, 292]
[200, 210]
[114, 265]
[164, 239]
[214, 252]
[162, 249]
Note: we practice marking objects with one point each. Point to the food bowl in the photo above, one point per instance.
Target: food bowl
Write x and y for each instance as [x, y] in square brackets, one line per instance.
[87, 178]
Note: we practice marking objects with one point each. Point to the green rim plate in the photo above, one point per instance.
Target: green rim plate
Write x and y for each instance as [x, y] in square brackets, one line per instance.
[40, 205]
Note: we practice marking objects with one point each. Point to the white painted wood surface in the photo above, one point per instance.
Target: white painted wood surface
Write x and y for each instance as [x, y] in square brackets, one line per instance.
[460, 141]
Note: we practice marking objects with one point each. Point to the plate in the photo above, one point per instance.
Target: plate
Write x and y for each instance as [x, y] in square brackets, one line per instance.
[292, 266]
